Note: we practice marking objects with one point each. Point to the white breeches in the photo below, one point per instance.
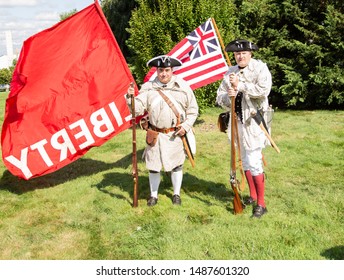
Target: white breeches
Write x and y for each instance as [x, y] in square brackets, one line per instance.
[251, 159]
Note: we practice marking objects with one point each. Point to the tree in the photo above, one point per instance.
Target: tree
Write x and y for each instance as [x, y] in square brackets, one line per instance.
[118, 13]
[301, 42]
[65, 15]
[7, 73]
[157, 26]
[327, 81]
[5, 76]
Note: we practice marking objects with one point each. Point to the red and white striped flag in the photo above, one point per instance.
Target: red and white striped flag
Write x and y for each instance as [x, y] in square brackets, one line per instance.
[201, 55]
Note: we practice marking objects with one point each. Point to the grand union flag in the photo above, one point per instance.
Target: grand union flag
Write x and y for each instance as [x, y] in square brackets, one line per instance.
[201, 55]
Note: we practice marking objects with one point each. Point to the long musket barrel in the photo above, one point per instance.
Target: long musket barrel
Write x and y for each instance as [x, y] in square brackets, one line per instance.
[237, 204]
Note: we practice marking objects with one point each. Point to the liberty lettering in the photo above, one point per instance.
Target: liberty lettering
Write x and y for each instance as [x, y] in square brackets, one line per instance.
[76, 137]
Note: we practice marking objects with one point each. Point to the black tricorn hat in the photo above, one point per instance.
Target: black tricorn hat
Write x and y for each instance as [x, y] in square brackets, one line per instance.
[241, 46]
[164, 61]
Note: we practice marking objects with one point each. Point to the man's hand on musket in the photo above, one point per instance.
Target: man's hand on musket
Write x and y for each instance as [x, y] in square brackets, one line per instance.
[232, 92]
[180, 131]
[131, 90]
[234, 80]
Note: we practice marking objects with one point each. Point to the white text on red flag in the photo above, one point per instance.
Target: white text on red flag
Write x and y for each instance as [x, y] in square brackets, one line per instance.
[67, 95]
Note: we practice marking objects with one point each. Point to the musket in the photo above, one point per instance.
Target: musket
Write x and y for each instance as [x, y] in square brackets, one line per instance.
[242, 185]
[237, 203]
[134, 155]
[186, 146]
[238, 206]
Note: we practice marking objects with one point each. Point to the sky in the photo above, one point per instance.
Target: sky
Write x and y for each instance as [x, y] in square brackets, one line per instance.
[25, 18]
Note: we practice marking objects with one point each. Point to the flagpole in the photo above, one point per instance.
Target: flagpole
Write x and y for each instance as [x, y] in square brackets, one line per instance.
[134, 155]
[221, 42]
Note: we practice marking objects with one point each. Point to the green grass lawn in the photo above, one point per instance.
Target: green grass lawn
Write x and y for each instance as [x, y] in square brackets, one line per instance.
[84, 211]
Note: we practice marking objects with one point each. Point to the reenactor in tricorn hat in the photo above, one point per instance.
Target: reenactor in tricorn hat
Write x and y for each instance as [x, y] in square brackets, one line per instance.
[250, 81]
[165, 149]
[164, 61]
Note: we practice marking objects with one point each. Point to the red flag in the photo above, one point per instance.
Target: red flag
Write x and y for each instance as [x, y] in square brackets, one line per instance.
[200, 52]
[67, 95]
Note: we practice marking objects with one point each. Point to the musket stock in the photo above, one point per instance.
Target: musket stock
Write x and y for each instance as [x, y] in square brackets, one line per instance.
[257, 116]
[188, 152]
[260, 121]
[186, 146]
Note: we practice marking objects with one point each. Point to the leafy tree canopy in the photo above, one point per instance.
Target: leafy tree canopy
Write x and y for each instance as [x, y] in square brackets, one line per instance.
[301, 41]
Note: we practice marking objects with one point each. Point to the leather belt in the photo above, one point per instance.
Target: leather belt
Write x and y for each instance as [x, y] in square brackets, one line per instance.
[163, 130]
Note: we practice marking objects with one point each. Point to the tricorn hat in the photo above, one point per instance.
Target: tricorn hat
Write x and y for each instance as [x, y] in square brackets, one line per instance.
[164, 61]
[241, 46]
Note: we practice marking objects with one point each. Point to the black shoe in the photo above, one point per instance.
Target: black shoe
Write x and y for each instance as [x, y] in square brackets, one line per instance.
[176, 200]
[249, 201]
[152, 201]
[259, 211]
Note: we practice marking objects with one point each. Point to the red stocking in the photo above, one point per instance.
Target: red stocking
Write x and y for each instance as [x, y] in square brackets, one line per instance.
[260, 187]
[251, 185]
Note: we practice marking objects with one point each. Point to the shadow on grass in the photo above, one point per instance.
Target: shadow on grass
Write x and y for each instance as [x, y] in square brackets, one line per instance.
[192, 186]
[198, 188]
[334, 253]
[79, 168]
[124, 182]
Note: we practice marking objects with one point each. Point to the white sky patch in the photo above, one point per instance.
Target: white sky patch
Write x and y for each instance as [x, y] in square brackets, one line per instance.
[9, 3]
[25, 18]
[52, 16]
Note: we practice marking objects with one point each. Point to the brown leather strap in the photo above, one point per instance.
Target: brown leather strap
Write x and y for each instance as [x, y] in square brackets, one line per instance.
[184, 139]
[169, 102]
[163, 130]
